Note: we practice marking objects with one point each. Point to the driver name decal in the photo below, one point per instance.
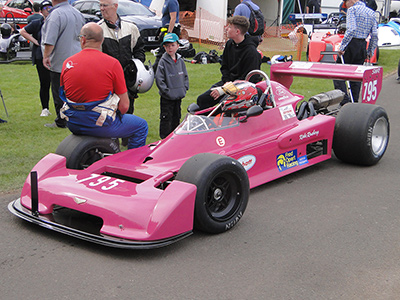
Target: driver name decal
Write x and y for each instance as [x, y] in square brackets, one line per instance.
[287, 112]
[220, 141]
[247, 161]
[309, 134]
[289, 160]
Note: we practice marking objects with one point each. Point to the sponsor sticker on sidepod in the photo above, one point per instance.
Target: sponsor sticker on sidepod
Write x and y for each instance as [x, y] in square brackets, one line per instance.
[287, 112]
[289, 159]
[247, 161]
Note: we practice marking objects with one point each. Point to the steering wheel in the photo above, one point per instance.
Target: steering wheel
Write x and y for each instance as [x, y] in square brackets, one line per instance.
[267, 91]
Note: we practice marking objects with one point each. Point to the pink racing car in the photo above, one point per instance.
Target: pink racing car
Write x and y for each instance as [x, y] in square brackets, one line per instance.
[199, 177]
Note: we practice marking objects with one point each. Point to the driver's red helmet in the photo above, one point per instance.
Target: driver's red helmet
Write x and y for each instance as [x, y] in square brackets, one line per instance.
[245, 97]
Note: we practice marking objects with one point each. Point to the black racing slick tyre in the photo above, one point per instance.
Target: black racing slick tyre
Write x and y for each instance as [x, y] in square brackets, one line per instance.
[361, 134]
[222, 190]
[81, 151]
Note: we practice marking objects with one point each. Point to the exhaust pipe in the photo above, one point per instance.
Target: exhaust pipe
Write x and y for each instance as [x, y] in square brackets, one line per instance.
[324, 100]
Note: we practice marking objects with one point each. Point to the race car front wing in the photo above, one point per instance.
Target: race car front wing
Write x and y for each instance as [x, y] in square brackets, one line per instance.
[85, 227]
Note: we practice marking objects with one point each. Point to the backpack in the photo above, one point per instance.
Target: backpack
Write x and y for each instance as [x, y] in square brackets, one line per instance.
[186, 48]
[214, 57]
[257, 21]
[197, 59]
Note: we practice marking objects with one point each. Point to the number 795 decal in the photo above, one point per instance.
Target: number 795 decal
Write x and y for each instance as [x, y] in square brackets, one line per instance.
[372, 84]
[102, 181]
[370, 91]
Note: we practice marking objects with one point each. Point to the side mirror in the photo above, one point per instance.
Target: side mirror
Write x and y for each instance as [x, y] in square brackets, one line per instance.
[253, 111]
[192, 108]
[28, 10]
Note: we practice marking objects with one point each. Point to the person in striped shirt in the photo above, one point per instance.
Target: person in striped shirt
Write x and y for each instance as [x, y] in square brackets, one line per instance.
[360, 24]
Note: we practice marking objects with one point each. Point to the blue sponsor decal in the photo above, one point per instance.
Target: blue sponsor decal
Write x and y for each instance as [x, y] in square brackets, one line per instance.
[289, 160]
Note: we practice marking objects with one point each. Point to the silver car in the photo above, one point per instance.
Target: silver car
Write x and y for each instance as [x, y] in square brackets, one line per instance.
[146, 21]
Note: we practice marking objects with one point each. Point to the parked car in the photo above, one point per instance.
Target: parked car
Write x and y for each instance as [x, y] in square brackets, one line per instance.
[389, 33]
[147, 21]
[16, 11]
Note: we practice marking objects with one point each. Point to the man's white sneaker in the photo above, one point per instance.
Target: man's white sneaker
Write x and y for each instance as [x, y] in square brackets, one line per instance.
[45, 113]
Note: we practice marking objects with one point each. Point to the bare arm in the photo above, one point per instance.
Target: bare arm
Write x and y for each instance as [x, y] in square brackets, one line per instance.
[123, 104]
[29, 37]
[172, 21]
[48, 49]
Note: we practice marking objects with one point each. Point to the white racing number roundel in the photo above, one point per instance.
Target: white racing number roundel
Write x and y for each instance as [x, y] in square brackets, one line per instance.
[220, 141]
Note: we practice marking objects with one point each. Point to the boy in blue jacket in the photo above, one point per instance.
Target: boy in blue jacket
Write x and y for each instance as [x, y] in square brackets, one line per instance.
[172, 81]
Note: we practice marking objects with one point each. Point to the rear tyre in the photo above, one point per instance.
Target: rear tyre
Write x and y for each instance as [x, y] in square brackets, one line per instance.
[222, 190]
[81, 151]
[361, 134]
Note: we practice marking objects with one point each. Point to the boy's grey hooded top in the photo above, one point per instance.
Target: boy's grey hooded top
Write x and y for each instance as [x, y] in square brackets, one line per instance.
[171, 77]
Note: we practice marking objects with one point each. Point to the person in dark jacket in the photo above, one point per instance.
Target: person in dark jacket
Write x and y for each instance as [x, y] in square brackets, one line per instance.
[37, 15]
[172, 81]
[122, 41]
[240, 56]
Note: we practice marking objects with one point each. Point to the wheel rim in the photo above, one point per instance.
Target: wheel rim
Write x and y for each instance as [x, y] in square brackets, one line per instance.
[223, 197]
[90, 157]
[380, 135]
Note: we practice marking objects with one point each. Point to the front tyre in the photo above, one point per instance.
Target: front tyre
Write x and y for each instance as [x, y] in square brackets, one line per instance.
[81, 151]
[222, 190]
[361, 134]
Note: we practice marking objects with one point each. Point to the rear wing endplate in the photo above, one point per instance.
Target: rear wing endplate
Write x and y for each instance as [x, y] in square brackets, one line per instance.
[370, 76]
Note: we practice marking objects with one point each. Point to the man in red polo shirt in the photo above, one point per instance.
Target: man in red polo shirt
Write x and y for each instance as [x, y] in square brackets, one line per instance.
[96, 99]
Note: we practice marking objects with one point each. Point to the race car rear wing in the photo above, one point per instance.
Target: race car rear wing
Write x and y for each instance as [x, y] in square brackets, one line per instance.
[370, 76]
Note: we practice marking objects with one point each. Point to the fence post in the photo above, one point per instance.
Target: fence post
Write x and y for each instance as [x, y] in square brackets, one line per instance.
[300, 45]
[200, 25]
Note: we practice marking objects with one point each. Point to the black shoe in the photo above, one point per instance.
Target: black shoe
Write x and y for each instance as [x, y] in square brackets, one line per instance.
[124, 142]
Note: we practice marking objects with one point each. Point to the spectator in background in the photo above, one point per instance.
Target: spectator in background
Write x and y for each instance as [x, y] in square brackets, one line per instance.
[240, 56]
[60, 40]
[170, 17]
[313, 7]
[172, 81]
[360, 23]
[343, 7]
[242, 9]
[32, 32]
[122, 41]
[36, 13]
[94, 81]
[170, 24]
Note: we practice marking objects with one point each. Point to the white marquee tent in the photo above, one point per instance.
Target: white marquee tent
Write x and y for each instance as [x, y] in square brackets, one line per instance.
[219, 8]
